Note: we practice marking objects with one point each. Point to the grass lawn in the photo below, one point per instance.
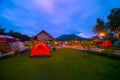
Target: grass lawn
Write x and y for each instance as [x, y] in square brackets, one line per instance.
[64, 64]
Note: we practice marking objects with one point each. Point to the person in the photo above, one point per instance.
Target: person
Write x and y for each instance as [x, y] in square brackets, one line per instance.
[54, 48]
[61, 44]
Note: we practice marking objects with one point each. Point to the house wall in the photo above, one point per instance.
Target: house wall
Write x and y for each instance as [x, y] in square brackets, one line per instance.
[43, 36]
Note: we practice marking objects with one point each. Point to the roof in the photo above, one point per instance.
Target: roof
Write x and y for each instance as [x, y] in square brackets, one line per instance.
[45, 33]
[8, 38]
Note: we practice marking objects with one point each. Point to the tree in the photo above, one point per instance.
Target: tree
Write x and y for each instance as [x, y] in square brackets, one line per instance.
[110, 36]
[18, 35]
[2, 30]
[102, 30]
[114, 21]
[100, 27]
[12, 33]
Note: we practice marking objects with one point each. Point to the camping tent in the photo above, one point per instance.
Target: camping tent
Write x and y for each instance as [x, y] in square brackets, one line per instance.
[5, 42]
[116, 43]
[9, 45]
[40, 50]
[18, 46]
[107, 44]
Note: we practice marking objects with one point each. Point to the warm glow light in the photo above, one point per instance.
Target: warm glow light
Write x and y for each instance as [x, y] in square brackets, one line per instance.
[102, 34]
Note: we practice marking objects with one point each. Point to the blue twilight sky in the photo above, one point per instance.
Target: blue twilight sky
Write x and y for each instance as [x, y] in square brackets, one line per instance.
[57, 17]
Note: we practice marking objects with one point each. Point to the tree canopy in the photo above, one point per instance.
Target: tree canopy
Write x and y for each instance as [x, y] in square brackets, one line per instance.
[114, 21]
[99, 27]
[12, 33]
[111, 29]
[2, 30]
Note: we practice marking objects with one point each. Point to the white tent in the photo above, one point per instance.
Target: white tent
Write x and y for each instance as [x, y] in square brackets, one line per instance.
[18, 47]
[10, 45]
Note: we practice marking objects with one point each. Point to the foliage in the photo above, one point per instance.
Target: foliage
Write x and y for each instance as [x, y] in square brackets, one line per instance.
[2, 30]
[99, 27]
[12, 33]
[18, 35]
[110, 37]
[110, 28]
[114, 21]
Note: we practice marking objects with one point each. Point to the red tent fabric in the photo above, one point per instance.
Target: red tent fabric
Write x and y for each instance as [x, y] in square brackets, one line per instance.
[40, 50]
[7, 38]
[2, 39]
[107, 44]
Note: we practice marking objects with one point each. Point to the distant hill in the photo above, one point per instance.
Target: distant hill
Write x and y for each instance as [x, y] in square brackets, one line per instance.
[67, 37]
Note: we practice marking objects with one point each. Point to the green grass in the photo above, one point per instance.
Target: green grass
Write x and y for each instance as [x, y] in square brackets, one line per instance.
[64, 64]
[112, 48]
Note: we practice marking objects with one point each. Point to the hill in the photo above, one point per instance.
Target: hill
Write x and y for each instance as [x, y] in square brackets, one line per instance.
[67, 37]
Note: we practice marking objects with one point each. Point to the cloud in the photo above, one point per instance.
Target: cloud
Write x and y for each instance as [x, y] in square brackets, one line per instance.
[86, 35]
[55, 16]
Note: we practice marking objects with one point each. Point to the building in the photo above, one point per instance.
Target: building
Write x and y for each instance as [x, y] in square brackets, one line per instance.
[43, 36]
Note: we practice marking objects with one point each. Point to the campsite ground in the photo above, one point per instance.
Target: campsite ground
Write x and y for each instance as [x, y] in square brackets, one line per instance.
[64, 64]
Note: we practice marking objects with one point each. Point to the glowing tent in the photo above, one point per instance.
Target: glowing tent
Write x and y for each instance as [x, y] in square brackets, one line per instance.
[107, 44]
[40, 50]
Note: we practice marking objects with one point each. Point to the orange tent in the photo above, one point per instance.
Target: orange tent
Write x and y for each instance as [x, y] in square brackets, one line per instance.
[40, 50]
